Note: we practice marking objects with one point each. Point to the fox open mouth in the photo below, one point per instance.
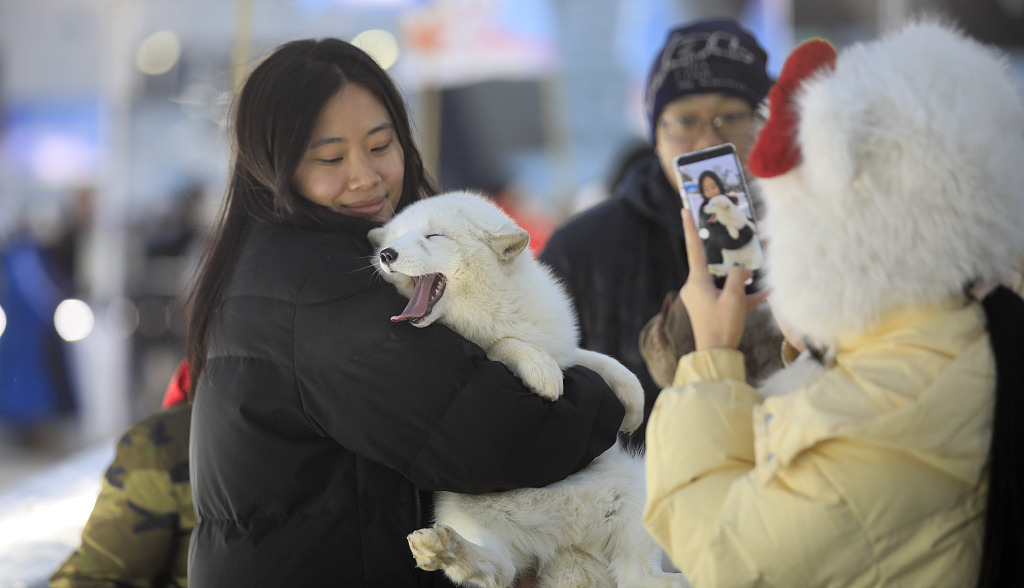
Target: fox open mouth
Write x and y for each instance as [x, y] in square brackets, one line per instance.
[427, 290]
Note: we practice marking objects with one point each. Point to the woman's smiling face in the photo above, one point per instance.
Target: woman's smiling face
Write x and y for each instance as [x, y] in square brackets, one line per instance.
[354, 163]
[709, 187]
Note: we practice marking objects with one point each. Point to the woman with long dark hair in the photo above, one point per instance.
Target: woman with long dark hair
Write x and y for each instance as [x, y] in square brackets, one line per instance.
[320, 428]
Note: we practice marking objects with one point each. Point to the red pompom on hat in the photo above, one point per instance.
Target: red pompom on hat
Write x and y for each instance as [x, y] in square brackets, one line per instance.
[776, 151]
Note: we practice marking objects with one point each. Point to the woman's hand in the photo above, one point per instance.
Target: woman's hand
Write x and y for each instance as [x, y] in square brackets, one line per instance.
[717, 316]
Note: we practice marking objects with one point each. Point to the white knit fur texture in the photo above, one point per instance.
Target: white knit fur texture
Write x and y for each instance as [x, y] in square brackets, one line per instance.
[911, 183]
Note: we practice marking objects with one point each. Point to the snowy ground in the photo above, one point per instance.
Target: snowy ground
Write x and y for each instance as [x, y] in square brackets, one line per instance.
[41, 517]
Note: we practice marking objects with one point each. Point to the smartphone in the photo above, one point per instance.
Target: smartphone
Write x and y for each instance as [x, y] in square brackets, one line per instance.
[715, 192]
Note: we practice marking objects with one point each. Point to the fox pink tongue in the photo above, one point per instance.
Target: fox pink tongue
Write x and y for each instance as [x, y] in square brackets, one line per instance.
[420, 299]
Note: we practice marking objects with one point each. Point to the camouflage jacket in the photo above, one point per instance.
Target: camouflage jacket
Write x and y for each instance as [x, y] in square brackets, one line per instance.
[139, 529]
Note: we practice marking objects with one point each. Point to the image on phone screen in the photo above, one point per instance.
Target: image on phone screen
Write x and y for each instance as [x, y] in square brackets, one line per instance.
[714, 190]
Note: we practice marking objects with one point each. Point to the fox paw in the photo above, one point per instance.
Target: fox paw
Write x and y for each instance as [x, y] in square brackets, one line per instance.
[435, 548]
[533, 365]
[544, 383]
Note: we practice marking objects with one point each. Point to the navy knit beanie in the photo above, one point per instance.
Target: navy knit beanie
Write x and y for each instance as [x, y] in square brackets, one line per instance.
[706, 56]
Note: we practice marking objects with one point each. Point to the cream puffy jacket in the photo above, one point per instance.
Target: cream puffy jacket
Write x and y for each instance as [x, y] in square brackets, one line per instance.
[865, 473]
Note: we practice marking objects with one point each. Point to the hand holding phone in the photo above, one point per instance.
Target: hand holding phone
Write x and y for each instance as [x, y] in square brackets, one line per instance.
[714, 190]
[717, 315]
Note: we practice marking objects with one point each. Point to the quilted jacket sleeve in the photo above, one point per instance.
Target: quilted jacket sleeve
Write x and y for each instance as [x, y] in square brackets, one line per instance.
[709, 507]
[864, 472]
[699, 446]
[429, 404]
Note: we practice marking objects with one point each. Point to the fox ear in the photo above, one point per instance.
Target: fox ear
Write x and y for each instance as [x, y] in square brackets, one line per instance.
[508, 242]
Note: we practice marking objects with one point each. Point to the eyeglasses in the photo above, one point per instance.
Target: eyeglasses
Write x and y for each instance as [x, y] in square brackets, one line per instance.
[731, 125]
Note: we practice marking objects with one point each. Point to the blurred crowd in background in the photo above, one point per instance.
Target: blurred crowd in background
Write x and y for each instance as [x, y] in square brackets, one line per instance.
[114, 154]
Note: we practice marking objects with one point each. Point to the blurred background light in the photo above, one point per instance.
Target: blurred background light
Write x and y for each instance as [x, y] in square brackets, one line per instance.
[158, 53]
[62, 159]
[123, 317]
[380, 44]
[54, 142]
[3, 321]
[154, 317]
[73, 320]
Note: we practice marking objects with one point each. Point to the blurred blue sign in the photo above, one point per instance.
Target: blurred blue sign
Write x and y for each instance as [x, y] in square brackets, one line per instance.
[53, 142]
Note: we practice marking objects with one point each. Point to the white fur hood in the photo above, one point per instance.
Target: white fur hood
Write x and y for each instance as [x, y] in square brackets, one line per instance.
[908, 185]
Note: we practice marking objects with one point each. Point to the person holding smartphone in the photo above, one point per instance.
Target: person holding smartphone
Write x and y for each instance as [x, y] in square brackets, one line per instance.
[885, 454]
[623, 261]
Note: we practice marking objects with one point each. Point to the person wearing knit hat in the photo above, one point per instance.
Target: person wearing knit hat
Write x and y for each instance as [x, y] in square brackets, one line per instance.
[884, 455]
[707, 56]
[623, 260]
[714, 66]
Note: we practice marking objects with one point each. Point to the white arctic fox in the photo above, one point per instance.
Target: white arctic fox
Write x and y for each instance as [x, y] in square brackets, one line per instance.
[461, 261]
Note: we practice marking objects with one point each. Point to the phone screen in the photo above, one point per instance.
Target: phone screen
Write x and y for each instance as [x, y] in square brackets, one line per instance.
[714, 190]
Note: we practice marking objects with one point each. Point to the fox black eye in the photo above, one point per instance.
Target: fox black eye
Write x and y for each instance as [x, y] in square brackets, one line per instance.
[434, 235]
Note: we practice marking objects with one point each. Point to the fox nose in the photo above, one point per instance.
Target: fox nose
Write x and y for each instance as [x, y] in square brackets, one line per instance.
[388, 255]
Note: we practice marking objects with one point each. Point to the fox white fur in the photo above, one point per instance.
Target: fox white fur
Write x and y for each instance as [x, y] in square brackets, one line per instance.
[909, 185]
[728, 215]
[584, 531]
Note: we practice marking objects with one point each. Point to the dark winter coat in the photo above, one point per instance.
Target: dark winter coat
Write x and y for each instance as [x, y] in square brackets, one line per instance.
[618, 259]
[320, 427]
